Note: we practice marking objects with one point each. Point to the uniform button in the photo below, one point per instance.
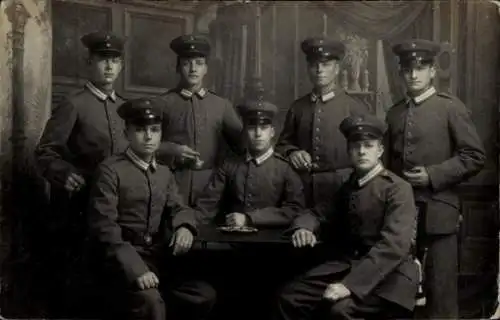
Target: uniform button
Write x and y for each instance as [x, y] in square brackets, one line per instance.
[317, 129]
[148, 240]
[317, 158]
[318, 120]
[316, 138]
[319, 110]
[409, 135]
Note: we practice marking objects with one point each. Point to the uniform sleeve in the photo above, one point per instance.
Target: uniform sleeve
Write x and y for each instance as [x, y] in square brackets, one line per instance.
[393, 247]
[168, 149]
[181, 214]
[52, 149]
[209, 201]
[469, 156]
[287, 141]
[314, 218]
[232, 128]
[387, 143]
[292, 204]
[103, 215]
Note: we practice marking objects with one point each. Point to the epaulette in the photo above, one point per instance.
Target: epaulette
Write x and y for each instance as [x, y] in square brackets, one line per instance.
[387, 174]
[280, 156]
[76, 92]
[119, 95]
[445, 95]
[167, 92]
[402, 101]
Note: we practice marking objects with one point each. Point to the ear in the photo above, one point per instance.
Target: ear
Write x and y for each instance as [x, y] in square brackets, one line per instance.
[381, 149]
[273, 132]
[336, 68]
[433, 71]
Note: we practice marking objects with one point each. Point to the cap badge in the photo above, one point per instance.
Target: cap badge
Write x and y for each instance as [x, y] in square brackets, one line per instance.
[320, 49]
[413, 45]
[108, 45]
[191, 47]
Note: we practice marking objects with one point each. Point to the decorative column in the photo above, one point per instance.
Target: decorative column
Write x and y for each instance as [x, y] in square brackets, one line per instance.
[12, 182]
[254, 88]
[18, 137]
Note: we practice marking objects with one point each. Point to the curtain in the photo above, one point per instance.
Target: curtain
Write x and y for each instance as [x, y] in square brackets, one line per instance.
[388, 22]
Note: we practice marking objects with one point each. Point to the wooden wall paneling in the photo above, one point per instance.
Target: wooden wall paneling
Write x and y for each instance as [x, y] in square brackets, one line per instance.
[149, 62]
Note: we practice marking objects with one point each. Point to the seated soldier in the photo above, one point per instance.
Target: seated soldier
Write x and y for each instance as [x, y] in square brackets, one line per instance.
[374, 215]
[130, 198]
[259, 190]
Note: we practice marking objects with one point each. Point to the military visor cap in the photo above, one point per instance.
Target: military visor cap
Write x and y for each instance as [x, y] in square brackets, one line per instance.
[322, 49]
[143, 111]
[188, 46]
[103, 43]
[362, 127]
[255, 112]
[416, 52]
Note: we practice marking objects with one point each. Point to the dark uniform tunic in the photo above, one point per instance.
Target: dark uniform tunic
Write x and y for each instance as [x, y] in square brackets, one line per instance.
[312, 125]
[82, 131]
[130, 202]
[435, 130]
[266, 189]
[375, 217]
[206, 123]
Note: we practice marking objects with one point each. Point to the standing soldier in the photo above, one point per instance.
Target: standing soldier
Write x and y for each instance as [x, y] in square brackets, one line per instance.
[82, 131]
[197, 123]
[433, 144]
[310, 138]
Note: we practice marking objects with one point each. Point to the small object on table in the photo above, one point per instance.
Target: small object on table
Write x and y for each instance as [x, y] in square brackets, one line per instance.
[243, 229]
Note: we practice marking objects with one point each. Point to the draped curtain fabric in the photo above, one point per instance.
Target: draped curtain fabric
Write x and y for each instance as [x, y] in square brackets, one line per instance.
[388, 22]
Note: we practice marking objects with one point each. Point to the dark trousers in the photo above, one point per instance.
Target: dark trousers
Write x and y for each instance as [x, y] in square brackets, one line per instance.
[180, 295]
[440, 275]
[302, 298]
[439, 255]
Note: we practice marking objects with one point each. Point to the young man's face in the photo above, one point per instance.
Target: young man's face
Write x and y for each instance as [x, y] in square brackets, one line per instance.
[365, 154]
[418, 78]
[322, 73]
[259, 137]
[193, 70]
[145, 139]
[105, 69]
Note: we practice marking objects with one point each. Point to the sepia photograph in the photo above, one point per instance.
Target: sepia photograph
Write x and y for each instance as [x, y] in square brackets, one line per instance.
[249, 160]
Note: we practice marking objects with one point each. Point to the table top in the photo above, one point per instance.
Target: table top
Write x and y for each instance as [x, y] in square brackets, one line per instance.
[209, 233]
